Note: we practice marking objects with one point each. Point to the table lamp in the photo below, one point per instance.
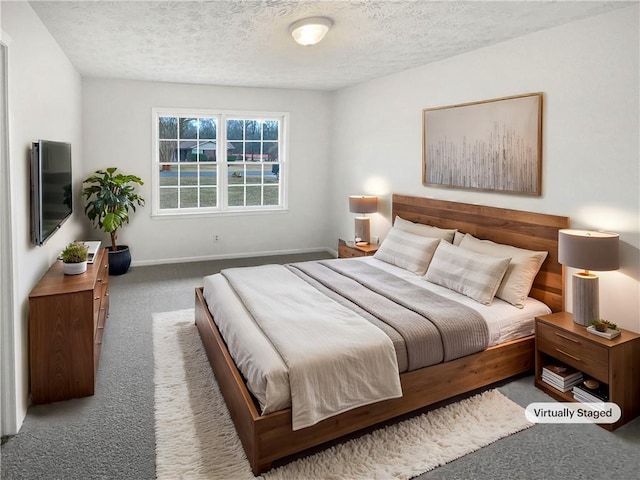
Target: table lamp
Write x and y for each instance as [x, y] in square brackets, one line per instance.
[363, 204]
[588, 250]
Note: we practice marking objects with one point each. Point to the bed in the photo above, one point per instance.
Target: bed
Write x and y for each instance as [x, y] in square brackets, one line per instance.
[267, 437]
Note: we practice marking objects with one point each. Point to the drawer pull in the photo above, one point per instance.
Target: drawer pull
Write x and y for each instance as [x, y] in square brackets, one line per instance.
[567, 338]
[97, 298]
[99, 280]
[568, 355]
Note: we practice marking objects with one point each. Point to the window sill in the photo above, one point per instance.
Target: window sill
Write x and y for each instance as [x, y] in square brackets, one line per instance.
[226, 213]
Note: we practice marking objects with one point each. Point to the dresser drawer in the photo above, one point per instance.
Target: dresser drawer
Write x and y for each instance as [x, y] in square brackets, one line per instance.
[589, 357]
[104, 305]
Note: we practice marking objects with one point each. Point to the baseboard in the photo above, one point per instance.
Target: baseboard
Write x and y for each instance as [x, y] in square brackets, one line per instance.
[164, 261]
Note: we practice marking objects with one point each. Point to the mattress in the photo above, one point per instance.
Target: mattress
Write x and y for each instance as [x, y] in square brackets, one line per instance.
[266, 373]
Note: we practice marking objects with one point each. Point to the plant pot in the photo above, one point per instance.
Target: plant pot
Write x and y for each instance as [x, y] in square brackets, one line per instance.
[120, 260]
[74, 268]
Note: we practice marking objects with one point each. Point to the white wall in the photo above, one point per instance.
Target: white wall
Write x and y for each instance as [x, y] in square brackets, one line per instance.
[589, 74]
[44, 100]
[118, 132]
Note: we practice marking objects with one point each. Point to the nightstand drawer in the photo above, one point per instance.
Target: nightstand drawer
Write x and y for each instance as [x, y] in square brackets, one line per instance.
[591, 358]
[345, 251]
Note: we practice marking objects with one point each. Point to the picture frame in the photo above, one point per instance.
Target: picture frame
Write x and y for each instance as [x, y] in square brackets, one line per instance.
[490, 145]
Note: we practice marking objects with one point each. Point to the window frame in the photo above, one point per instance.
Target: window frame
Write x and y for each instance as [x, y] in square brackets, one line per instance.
[222, 165]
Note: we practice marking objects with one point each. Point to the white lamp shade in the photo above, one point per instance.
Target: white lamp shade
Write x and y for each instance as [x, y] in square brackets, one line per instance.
[310, 31]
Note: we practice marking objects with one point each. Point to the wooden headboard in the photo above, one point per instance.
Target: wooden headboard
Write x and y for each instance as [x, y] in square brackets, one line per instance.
[534, 231]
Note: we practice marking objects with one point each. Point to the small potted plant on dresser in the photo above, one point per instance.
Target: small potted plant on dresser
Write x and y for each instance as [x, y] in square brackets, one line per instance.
[74, 259]
[604, 328]
[110, 196]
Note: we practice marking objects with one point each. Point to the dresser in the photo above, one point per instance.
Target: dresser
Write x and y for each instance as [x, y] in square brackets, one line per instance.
[67, 315]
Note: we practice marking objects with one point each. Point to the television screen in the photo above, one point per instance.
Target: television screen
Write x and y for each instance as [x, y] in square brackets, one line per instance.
[51, 196]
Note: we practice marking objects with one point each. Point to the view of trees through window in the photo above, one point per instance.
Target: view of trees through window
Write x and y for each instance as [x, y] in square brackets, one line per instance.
[252, 156]
[218, 162]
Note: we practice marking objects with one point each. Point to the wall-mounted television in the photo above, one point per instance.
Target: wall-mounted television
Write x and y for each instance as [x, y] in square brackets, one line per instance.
[51, 191]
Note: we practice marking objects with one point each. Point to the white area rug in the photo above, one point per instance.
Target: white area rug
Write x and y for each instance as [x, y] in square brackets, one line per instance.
[196, 439]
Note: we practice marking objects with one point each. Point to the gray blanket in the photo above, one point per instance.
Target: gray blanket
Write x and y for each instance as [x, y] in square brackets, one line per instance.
[434, 328]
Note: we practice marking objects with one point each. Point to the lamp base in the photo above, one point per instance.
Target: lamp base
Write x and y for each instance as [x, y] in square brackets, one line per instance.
[586, 305]
[363, 230]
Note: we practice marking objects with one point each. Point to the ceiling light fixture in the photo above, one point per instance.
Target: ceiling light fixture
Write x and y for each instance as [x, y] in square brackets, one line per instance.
[310, 31]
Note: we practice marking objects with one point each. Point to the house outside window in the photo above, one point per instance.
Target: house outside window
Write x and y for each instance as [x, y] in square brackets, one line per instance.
[218, 162]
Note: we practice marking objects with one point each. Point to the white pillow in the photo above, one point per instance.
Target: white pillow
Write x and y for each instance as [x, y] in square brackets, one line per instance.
[522, 270]
[473, 274]
[457, 238]
[424, 230]
[407, 250]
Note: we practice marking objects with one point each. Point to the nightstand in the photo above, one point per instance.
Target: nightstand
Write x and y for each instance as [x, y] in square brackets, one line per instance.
[345, 251]
[615, 362]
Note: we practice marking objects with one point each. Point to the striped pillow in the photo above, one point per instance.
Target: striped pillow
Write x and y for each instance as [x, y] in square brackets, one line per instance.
[407, 250]
[522, 270]
[473, 274]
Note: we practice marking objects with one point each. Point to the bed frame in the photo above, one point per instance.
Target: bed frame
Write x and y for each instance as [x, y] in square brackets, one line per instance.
[267, 438]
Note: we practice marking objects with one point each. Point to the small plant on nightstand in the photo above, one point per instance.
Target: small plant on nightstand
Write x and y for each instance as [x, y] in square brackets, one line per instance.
[604, 325]
[74, 257]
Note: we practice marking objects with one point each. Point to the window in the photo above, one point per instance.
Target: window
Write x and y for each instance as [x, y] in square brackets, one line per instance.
[218, 162]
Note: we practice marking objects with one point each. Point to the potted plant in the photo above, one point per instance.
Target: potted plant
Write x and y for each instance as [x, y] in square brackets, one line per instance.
[604, 325]
[110, 196]
[74, 258]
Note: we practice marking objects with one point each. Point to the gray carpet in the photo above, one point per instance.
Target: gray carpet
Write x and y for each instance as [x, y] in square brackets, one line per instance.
[111, 435]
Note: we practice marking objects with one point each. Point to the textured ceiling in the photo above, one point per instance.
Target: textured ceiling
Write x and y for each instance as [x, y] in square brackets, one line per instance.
[247, 43]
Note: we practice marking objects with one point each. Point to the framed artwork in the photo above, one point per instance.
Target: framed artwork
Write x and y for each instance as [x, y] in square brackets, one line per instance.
[492, 145]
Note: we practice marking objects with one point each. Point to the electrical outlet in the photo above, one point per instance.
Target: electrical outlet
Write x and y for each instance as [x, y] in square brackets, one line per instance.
[216, 238]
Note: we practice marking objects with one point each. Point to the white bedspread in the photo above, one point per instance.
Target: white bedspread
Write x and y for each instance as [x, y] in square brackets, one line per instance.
[336, 360]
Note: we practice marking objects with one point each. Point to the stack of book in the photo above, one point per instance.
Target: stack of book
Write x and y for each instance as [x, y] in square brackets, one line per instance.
[584, 394]
[561, 377]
